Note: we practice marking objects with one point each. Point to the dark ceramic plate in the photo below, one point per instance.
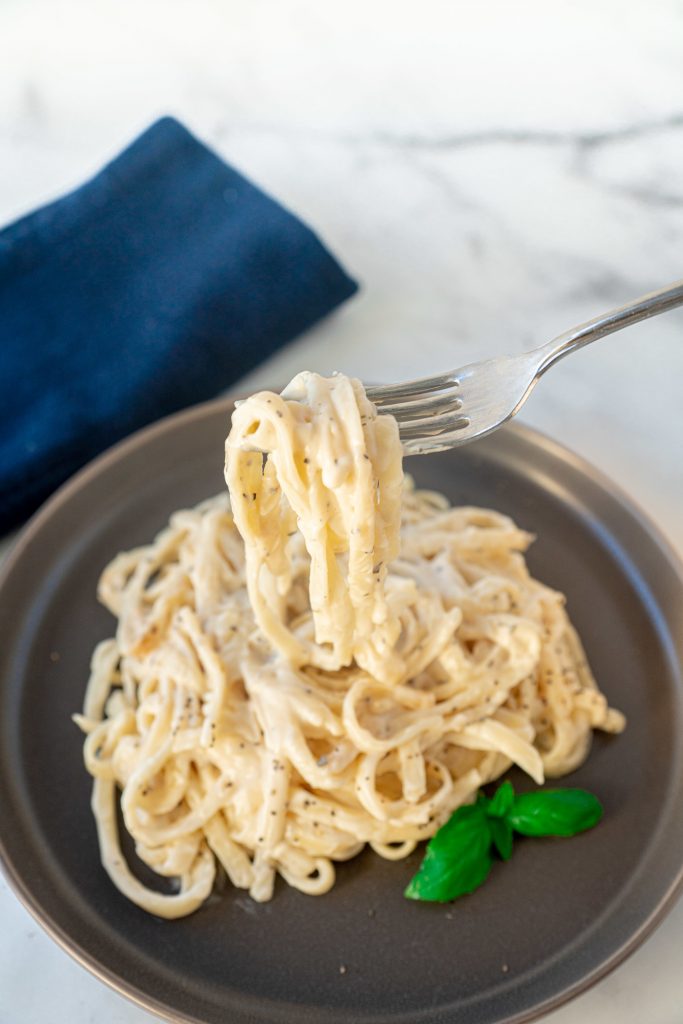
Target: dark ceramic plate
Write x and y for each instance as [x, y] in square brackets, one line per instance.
[553, 920]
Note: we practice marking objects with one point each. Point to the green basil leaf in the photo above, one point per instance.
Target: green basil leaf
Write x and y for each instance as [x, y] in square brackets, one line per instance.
[501, 802]
[459, 826]
[501, 833]
[457, 860]
[554, 812]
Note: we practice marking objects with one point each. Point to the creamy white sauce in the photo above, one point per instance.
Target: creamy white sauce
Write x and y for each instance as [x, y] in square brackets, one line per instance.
[329, 659]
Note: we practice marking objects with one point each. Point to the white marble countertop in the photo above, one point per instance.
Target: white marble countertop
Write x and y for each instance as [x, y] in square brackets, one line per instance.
[492, 172]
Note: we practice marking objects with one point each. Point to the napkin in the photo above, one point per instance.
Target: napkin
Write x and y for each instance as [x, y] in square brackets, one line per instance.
[153, 286]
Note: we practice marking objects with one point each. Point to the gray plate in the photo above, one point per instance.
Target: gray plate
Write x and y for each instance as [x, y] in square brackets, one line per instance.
[544, 927]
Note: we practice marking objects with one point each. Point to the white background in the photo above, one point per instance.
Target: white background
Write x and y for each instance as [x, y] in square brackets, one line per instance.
[492, 172]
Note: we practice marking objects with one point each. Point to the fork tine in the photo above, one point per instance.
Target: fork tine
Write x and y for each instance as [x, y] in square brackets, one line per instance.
[428, 426]
[442, 402]
[382, 393]
[421, 445]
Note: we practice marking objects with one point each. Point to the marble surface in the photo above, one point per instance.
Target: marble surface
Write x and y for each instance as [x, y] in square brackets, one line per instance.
[493, 173]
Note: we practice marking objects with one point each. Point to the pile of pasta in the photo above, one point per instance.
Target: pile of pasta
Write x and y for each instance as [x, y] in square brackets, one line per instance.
[324, 659]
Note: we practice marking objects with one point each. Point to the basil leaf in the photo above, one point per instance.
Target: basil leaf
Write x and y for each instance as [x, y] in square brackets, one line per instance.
[458, 827]
[501, 833]
[459, 857]
[457, 860]
[501, 802]
[554, 812]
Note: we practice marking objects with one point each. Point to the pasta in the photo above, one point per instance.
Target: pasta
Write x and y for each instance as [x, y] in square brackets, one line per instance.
[325, 659]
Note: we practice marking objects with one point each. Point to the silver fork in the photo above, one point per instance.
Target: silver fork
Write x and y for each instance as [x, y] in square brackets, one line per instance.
[459, 406]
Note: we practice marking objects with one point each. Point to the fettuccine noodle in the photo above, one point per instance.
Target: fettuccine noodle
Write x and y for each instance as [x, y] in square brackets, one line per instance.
[327, 658]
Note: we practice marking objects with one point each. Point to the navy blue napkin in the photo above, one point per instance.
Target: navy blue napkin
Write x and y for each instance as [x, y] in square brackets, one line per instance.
[153, 286]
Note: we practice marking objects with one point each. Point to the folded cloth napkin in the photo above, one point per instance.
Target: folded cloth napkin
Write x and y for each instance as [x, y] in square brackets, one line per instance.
[153, 286]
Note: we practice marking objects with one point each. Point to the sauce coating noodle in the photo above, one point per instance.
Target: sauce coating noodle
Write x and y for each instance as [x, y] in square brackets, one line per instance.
[326, 659]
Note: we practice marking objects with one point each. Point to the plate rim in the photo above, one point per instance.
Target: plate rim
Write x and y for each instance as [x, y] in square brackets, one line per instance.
[531, 435]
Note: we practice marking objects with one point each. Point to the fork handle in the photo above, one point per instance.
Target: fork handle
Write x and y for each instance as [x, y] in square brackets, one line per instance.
[632, 313]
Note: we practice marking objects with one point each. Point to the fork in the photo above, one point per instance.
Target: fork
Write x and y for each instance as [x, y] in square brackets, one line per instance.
[459, 406]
